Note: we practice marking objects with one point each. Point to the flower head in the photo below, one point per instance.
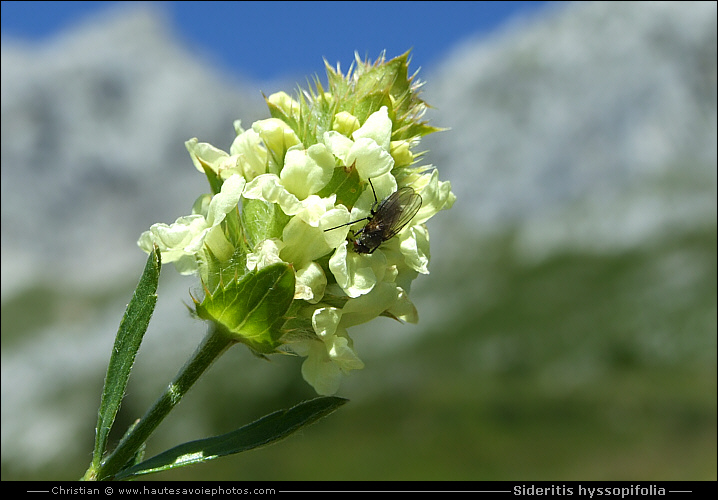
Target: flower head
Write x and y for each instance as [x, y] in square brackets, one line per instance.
[330, 188]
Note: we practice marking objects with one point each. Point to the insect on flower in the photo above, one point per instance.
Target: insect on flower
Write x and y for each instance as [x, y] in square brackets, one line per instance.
[386, 219]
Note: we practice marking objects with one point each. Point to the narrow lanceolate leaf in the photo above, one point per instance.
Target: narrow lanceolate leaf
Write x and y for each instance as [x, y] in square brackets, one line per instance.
[252, 309]
[264, 431]
[127, 343]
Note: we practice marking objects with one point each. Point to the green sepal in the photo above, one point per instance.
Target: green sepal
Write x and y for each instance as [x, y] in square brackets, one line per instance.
[252, 309]
[262, 220]
[215, 181]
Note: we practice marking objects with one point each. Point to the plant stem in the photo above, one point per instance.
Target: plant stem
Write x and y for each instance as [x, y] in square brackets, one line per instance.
[213, 345]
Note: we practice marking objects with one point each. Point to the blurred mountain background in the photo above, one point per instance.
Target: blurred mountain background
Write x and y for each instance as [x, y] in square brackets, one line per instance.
[568, 326]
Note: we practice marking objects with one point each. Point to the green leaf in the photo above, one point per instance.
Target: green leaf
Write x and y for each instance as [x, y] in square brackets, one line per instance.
[131, 445]
[140, 453]
[262, 432]
[251, 310]
[129, 336]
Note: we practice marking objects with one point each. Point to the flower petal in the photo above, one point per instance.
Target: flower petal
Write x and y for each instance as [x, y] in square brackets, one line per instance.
[319, 370]
[338, 144]
[345, 123]
[325, 321]
[367, 307]
[303, 243]
[204, 152]
[435, 195]
[173, 240]
[265, 253]
[226, 200]
[269, 188]
[330, 356]
[252, 155]
[311, 283]
[284, 101]
[277, 136]
[404, 308]
[357, 274]
[314, 208]
[341, 353]
[377, 127]
[305, 172]
[414, 245]
[369, 158]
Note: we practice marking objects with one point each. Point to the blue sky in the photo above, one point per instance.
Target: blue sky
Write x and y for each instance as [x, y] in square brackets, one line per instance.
[266, 40]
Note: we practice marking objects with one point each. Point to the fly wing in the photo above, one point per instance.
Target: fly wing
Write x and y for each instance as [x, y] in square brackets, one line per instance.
[396, 211]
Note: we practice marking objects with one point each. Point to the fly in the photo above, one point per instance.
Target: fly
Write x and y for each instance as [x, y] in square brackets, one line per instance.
[386, 219]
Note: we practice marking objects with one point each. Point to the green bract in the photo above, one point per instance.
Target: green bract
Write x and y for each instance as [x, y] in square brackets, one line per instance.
[251, 310]
[270, 222]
